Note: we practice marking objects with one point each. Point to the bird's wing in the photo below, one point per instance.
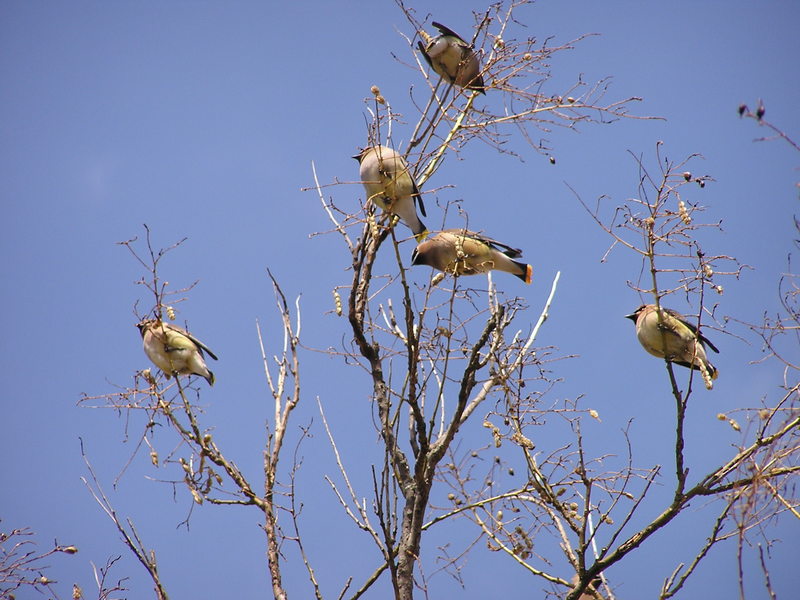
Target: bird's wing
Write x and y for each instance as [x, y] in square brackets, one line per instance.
[189, 336]
[693, 329]
[449, 32]
[415, 190]
[504, 248]
[708, 343]
[417, 195]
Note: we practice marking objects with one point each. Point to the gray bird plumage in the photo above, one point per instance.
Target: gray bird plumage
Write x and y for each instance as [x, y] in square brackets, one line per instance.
[174, 350]
[453, 59]
[673, 338]
[463, 252]
[390, 185]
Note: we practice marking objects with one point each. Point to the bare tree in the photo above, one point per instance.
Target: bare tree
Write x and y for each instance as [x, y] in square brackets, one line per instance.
[454, 345]
[202, 467]
[459, 352]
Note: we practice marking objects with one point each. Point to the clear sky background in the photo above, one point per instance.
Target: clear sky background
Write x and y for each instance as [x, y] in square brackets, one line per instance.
[201, 119]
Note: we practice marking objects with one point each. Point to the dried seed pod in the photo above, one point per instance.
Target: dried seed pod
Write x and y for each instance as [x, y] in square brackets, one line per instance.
[337, 300]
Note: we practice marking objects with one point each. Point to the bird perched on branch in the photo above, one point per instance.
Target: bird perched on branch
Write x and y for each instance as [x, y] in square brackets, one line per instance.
[390, 185]
[673, 338]
[452, 58]
[463, 252]
[174, 350]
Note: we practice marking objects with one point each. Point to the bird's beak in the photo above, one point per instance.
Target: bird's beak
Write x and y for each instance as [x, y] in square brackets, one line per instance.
[632, 317]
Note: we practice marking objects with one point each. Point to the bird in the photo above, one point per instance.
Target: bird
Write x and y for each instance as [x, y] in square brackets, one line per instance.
[453, 59]
[174, 350]
[674, 339]
[390, 185]
[463, 252]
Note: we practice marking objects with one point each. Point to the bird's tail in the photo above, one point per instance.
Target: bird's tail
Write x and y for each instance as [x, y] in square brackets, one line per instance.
[526, 272]
[210, 377]
[712, 370]
[416, 226]
[407, 213]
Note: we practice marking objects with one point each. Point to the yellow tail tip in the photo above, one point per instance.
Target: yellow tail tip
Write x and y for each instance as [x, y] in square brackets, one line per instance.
[420, 237]
[528, 274]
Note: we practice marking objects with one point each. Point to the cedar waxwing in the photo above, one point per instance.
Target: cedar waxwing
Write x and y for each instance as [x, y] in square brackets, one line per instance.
[674, 339]
[453, 59]
[464, 252]
[389, 185]
[174, 350]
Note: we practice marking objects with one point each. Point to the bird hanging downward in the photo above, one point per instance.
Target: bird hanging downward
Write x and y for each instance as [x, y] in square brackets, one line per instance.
[390, 185]
[453, 59]
[174, 350]
[673, 338]
[463, 252]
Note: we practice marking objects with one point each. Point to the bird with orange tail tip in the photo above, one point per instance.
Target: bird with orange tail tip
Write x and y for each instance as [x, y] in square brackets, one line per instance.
[462, 252]
[673, 338]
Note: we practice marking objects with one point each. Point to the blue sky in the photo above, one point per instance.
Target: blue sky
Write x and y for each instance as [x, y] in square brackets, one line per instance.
[202, 119]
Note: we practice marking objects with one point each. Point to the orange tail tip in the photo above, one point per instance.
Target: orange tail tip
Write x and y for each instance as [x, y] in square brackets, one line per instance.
[523, 271]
